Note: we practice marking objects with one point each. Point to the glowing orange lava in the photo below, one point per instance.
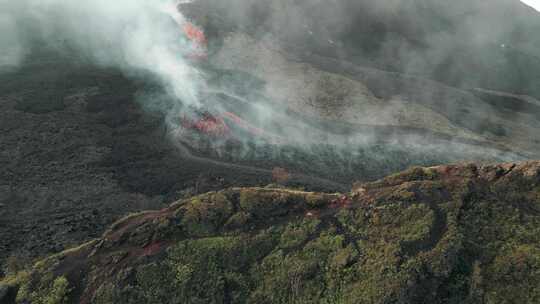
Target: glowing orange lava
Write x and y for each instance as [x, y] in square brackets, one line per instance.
[194, 34]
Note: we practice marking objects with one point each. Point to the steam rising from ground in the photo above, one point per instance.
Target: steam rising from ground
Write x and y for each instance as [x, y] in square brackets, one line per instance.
[11, 50]
[146, 36]
[133, 35]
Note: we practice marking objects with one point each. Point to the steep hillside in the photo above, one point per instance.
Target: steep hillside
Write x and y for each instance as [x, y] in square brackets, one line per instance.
[491, 44]
[446, 234]
[412, 65]
[371, 101]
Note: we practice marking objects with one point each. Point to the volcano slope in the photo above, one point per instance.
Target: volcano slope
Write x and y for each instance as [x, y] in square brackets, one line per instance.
[79, 150]
[446, 234]
[408, 64]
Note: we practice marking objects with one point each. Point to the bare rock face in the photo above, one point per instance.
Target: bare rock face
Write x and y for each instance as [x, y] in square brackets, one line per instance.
[453, 233]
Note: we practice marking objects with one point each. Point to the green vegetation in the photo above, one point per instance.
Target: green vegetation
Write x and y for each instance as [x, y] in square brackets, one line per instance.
[46, 290]
[204, 215]
[439, 235]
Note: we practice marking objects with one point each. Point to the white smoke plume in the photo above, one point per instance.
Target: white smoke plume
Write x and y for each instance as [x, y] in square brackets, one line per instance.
[147, 36]
[11, 50]
[133, 35]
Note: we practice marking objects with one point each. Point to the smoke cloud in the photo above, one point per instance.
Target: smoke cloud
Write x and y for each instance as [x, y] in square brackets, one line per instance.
[11, 49]
[133, 35]
[532, 3]
[290, 69]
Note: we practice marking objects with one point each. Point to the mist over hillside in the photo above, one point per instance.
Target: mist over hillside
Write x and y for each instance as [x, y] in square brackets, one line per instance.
[463, 43]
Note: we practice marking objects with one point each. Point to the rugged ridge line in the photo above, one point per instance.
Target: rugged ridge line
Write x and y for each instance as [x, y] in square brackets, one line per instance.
[465, 233]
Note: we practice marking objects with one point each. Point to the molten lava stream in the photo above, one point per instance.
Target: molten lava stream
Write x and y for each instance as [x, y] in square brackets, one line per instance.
[209, 125]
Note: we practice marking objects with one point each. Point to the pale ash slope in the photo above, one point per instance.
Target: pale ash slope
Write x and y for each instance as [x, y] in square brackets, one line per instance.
[313, 91]
[339, 91]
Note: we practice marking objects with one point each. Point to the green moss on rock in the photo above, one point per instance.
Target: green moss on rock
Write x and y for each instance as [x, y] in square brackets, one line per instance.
[439, 235]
